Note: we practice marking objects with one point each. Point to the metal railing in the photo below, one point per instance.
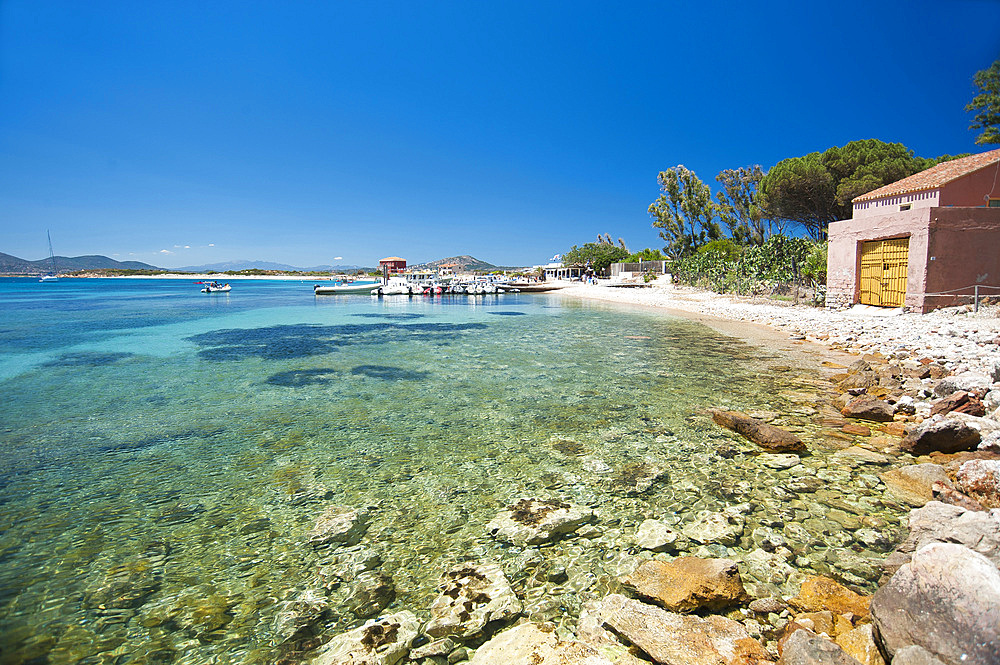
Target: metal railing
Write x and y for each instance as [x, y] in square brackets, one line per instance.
[655, 267]
[975, 293]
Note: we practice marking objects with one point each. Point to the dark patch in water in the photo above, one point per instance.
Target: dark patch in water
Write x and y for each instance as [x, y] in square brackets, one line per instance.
[398, 316]
[298, 378]
[304, 340]
[507, 313]
[87, 359]
[156, 440]
[389, 373]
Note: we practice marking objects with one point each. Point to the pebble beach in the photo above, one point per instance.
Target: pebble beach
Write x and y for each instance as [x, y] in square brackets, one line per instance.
[957, 337]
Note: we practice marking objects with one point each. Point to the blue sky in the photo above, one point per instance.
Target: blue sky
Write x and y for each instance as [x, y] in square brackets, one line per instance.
[300, 132]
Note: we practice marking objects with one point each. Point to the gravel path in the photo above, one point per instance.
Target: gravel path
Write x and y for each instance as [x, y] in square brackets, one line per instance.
[956, 337]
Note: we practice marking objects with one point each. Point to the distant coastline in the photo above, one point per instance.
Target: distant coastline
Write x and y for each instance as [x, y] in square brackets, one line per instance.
[218, 277]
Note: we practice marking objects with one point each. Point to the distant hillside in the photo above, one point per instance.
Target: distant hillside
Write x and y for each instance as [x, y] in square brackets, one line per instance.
[13, 265]
[244, 264]
[465, 263]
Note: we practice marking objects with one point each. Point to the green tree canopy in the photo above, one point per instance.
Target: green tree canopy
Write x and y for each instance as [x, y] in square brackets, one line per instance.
[816, 189]
[801, 190]
[684, 211]
[738, 206]
[987, 105]
[599, 255]
[647, 255]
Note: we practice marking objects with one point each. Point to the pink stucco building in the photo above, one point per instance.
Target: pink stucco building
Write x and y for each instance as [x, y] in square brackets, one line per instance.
[923, 242]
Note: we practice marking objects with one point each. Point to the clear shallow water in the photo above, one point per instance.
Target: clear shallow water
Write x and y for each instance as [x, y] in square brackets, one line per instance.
[164, 452]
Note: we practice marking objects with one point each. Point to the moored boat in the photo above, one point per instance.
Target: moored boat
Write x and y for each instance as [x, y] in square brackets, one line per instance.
[346, 287]
[215, 287]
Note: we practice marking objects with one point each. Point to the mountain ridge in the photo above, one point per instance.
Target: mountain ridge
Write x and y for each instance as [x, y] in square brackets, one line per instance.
[11, 264]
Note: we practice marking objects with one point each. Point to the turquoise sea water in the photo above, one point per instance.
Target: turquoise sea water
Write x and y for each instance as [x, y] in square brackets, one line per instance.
[164, 452]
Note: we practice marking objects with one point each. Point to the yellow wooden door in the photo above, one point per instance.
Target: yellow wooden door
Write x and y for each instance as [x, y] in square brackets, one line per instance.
[883, 272]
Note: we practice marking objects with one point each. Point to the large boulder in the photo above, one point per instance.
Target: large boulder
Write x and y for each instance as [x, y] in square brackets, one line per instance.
[681, 639]
[688, 583]
[537, 521]
[942, 523]
[980, 478]
[946, 435]
[914, 484]
[947, 601]
[590, 629]
[805, 648]
[382, 641]
[535, 644]
[340, 525]
[768, 437]
[820, 593]
[472, 596]
[866, 407]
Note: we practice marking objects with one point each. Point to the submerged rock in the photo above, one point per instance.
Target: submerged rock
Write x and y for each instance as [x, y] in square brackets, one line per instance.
[656, 536]
[724, 528]
[382, 641]
[370, 593]
[681, 639]
[591, 630]
[537, 521]
[914, 484]
[779, 461]
[125, 586]
[340, 524]
[300, 615]
[686, 584]
[947, 601]
[768, 437]
[348, 563]
[535, 644]
[639, 477]
[472, 596]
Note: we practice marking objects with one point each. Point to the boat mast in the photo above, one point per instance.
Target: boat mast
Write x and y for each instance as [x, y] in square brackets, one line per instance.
[52, 255]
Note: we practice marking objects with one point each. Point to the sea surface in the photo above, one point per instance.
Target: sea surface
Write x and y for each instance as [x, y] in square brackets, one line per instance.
[164, 453]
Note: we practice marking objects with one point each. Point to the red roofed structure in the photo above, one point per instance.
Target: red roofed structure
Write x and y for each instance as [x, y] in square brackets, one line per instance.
[926, 241]
[393, 264]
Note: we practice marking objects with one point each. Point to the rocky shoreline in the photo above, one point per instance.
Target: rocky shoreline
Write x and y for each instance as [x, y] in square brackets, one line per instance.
[923, 400]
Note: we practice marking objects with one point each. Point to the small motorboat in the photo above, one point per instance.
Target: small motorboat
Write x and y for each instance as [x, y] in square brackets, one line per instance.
[346, 287]
[215, 287]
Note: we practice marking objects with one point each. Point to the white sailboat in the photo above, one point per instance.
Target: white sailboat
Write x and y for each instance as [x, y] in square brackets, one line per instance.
[51, 275]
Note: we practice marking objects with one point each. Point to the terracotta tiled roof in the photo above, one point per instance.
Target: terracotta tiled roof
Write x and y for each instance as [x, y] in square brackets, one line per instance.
[390, 258]
[935, 176]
